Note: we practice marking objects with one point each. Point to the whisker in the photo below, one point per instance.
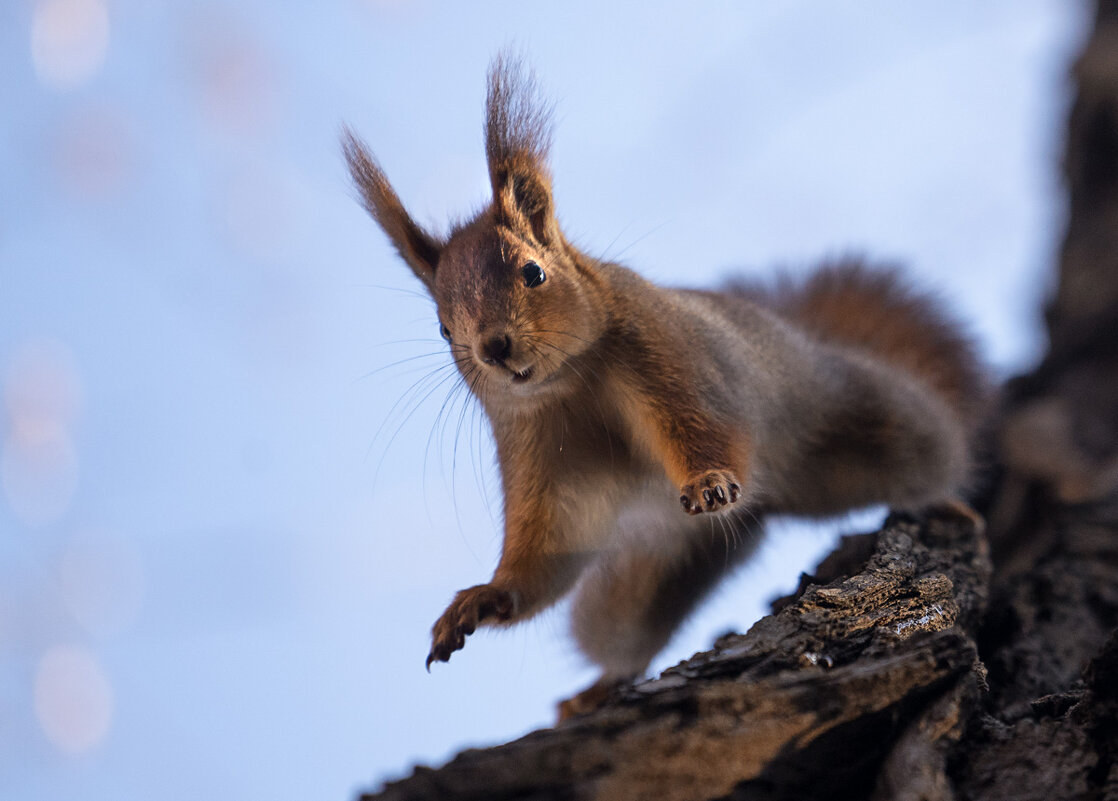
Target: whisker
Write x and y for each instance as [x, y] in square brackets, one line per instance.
[424, 340]
[569, 361]
[467, 407]
[605, 253]
[635, 242]
[405, 399]
[591, 351]
[397, 363]
[427, 392]
[402, 290]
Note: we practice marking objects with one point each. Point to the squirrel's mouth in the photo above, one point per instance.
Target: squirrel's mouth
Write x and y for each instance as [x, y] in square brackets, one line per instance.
[520, 376]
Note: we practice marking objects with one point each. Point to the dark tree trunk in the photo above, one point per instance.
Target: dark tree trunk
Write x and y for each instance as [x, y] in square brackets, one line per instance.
[929, 660]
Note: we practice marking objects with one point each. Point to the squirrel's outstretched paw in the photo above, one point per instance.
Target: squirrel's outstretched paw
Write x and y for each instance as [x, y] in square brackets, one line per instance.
[466, 612]
[709, 491]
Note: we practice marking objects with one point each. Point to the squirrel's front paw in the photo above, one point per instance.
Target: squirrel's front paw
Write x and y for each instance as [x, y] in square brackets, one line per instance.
[709, 491]
[469, 609]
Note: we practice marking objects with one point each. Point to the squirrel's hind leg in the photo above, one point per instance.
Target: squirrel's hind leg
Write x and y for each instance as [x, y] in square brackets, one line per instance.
[631, 601]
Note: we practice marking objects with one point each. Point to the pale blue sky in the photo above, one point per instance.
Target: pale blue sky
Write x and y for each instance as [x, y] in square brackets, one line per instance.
[221, 545]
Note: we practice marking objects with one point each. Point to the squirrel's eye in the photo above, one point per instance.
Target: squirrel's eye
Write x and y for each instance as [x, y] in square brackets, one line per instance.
[533, 274]
[445, 332]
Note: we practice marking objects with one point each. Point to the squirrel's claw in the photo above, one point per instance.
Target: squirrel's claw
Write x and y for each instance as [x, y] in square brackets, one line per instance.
[711, 491]
[466, 612]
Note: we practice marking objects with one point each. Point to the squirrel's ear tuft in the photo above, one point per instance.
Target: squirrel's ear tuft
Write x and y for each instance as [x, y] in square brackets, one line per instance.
[522, 198]
[417, 247]
[517, 139]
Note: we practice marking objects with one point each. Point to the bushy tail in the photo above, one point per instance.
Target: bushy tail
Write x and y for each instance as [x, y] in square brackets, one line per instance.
[873, 309]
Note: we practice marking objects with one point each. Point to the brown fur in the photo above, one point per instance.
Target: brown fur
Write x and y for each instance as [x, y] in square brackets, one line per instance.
[846, 302]
[642, 431]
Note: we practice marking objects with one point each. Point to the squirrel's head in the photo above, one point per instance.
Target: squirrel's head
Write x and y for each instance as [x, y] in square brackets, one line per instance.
[515, 300]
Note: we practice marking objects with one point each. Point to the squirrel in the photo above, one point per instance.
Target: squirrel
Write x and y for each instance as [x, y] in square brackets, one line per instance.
[644, 432]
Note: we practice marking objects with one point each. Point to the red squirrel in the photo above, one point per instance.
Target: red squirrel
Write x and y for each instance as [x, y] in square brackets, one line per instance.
[642, 432]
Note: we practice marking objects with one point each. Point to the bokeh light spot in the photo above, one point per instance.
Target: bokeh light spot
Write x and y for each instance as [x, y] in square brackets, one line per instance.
[38, 461]
[69, 40]
[94, 152]
[73, 699]
[236, 76]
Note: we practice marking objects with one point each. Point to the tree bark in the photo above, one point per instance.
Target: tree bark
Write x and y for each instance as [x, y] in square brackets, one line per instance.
[929, 660]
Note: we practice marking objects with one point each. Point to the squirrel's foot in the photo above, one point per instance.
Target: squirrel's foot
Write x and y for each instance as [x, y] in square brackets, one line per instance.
[590, 699]
[958, 508]
[710, 491]
[466, 612]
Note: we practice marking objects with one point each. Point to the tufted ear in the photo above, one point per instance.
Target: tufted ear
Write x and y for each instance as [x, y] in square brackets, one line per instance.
[417, 247]
[522, 195]
[517, 138]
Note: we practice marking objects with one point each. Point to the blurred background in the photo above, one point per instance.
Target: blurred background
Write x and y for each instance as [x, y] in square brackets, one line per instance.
[232, 500]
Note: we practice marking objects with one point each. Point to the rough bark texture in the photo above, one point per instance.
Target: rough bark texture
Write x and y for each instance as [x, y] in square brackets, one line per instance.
[832, 678]
[929, 660]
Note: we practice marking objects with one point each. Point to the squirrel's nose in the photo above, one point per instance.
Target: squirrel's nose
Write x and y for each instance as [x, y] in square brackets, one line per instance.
[496, 349]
